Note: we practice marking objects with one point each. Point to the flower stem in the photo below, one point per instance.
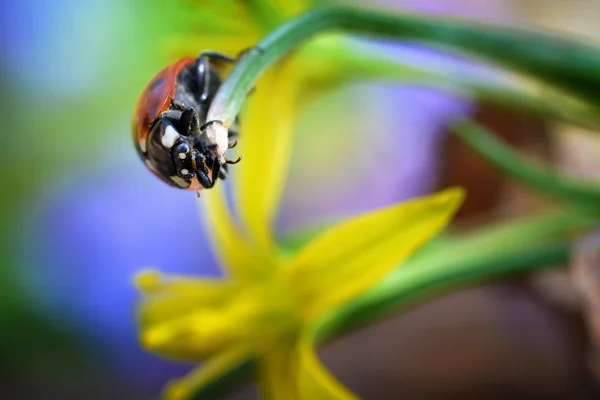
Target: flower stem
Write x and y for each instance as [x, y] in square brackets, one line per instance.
[556, 61]
[514, 165]
[353, 59]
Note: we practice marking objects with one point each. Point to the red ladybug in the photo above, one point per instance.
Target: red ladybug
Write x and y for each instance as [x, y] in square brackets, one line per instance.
[169, 120]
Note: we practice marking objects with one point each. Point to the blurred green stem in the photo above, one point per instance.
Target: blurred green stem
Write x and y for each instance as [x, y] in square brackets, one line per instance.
[567, 64]
[516, 166]
[351, 59]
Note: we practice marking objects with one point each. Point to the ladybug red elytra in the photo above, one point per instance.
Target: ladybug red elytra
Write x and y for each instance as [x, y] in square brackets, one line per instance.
[169, 120]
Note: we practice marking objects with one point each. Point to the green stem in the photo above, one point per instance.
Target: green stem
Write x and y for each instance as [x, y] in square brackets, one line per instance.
[556, 61]
[351, 59]
[514, 165]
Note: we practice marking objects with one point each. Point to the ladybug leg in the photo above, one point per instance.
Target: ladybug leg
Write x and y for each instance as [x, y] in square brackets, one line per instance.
[203, 66]
[244, 52]
[204, 180]
[237, 160]
[209, 123]
[216, 170]
[190, 122]
[202, 175]
[223, 172]
[203, 69]
[176, 105]
[217, 56]
[227, 160]
[202, 171]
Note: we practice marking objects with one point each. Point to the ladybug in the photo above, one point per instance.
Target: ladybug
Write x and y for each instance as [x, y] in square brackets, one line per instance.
[170, 118]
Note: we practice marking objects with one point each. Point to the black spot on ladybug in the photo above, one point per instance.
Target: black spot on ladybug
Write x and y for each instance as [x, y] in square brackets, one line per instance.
[154, 84]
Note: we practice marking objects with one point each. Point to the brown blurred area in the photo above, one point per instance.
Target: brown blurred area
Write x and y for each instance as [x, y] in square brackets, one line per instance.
[498, 341]
[492, 195]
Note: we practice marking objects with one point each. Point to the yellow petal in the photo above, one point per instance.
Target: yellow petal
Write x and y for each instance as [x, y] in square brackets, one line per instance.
[191, 319]
[211, 17]
[289, 8]
[276, 371]
[266, 135]
[151, 281]
[192, 384]
[292, 371]
[350, 258]
[187, 328]
[313, 380]
[191, 336]
[184, 318]
[242, 260]
[167, 297]
[192, 44]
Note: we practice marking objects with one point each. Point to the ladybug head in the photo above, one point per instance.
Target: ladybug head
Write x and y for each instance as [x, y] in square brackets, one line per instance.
[177, 160]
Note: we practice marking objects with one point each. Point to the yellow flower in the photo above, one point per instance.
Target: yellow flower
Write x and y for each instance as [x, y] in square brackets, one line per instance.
[266, 307]
[229, 26]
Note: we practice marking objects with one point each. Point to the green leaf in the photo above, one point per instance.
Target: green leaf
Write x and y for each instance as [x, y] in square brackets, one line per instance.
[516, 166]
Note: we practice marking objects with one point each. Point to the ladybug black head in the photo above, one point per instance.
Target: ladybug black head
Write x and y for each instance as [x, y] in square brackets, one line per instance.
[177, 160]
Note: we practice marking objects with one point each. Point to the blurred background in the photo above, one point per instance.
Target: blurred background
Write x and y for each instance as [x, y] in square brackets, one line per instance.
[80, 213]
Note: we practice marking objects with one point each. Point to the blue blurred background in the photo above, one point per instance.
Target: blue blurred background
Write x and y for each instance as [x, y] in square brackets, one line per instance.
[80, 214]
